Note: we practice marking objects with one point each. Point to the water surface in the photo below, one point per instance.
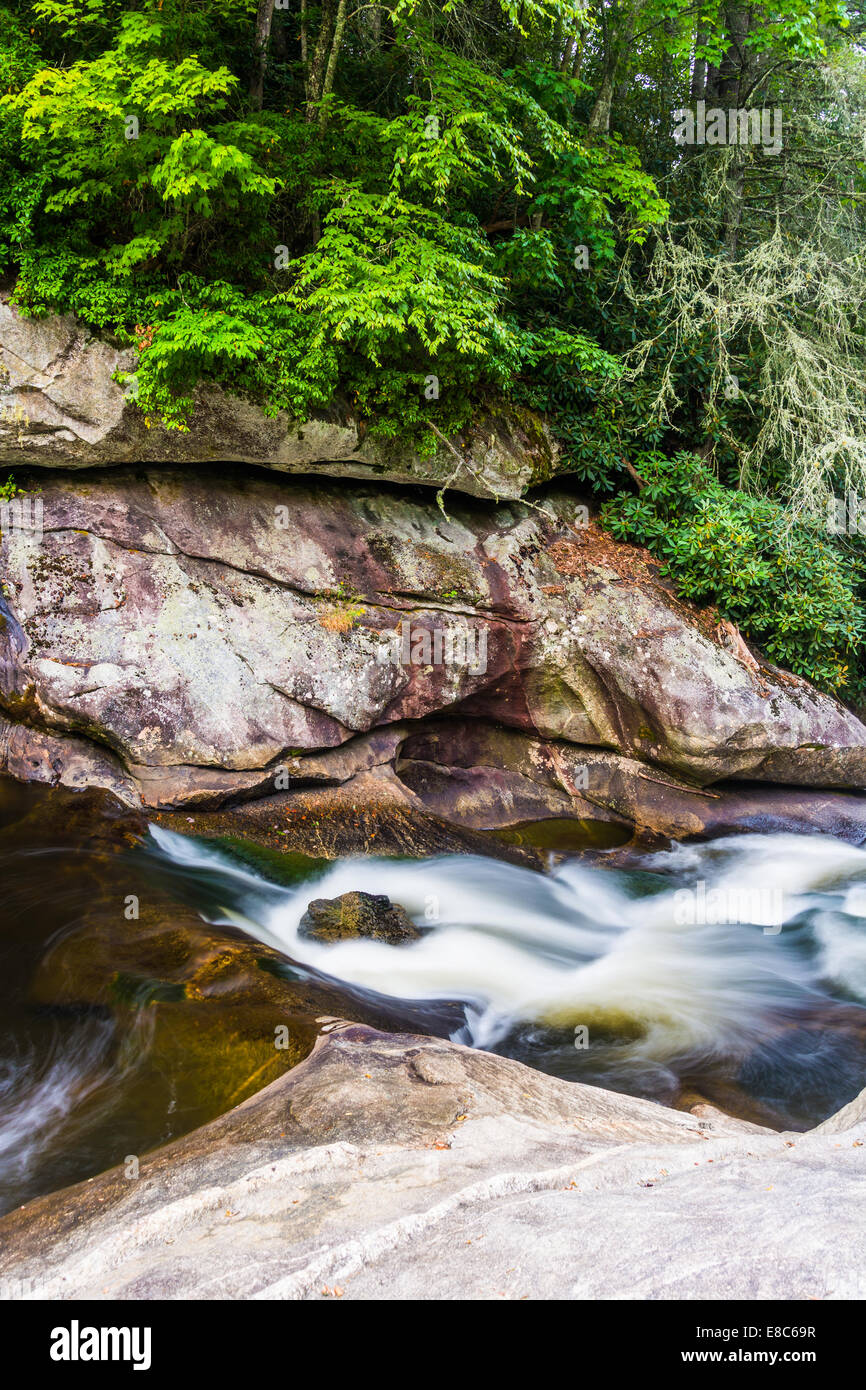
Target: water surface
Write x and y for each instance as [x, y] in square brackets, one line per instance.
[119, 1032]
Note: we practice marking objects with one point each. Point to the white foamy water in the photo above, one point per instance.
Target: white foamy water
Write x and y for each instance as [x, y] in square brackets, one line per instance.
[38, 1096]
[585, 946]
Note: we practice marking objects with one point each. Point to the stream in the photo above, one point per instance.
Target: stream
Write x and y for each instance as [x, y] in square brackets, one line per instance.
[142, 977]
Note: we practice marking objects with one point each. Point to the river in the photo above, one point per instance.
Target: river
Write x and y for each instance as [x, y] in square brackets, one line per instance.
[730, 972]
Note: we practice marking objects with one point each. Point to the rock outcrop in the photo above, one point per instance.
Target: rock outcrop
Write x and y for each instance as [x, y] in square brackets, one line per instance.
[61, 407]
[388, 1166]
[193, 640]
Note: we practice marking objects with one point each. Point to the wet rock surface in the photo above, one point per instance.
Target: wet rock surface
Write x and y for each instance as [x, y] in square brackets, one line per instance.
[370, 915]
[127, 1018]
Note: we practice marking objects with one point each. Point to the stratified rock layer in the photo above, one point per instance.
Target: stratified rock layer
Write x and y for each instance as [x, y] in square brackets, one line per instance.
[61, 407]
[191, 640]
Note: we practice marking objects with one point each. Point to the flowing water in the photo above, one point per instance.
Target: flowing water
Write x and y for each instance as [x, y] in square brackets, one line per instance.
[732, 971]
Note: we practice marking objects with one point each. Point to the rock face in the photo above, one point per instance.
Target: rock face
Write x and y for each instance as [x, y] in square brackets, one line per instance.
[370, 915]
[60, 407]
[487, 778]
[193, 640]
[389, 1166]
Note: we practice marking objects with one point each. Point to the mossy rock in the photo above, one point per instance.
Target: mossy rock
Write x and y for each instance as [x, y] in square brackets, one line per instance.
[352, 915]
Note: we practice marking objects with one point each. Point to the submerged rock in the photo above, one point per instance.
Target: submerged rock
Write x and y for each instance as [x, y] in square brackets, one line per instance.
[200, 1021]
[352, 915]
[371, 813]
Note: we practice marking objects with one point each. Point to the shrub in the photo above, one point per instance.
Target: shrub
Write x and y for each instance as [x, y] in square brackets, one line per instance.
[787, 586]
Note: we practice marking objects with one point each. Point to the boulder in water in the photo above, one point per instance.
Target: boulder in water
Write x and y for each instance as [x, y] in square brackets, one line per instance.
[358, 914]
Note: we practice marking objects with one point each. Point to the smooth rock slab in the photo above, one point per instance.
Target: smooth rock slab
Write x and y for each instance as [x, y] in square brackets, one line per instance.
[392, 1166]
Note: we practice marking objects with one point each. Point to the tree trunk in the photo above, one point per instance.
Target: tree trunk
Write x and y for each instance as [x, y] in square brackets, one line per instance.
[279, 39]
[316, 75]
[339, 26]
[557, 42]
[264, 20]
[617, 54]
[699, 71]
[370, 24]
[732, 80]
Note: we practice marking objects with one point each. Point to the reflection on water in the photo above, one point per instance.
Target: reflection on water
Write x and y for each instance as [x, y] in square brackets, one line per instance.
[119, 1032]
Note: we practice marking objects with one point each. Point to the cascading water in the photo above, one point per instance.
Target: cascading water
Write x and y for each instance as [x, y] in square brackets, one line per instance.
[732, 971]
[736, 959]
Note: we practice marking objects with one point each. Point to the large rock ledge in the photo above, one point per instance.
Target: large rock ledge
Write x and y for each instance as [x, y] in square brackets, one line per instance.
[393, 1166]
[192, 640]
[60, 407]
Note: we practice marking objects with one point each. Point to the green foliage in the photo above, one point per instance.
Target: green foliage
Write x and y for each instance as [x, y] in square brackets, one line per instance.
[389, 275]
[21, 187]
[160, 179]
[784, 584]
